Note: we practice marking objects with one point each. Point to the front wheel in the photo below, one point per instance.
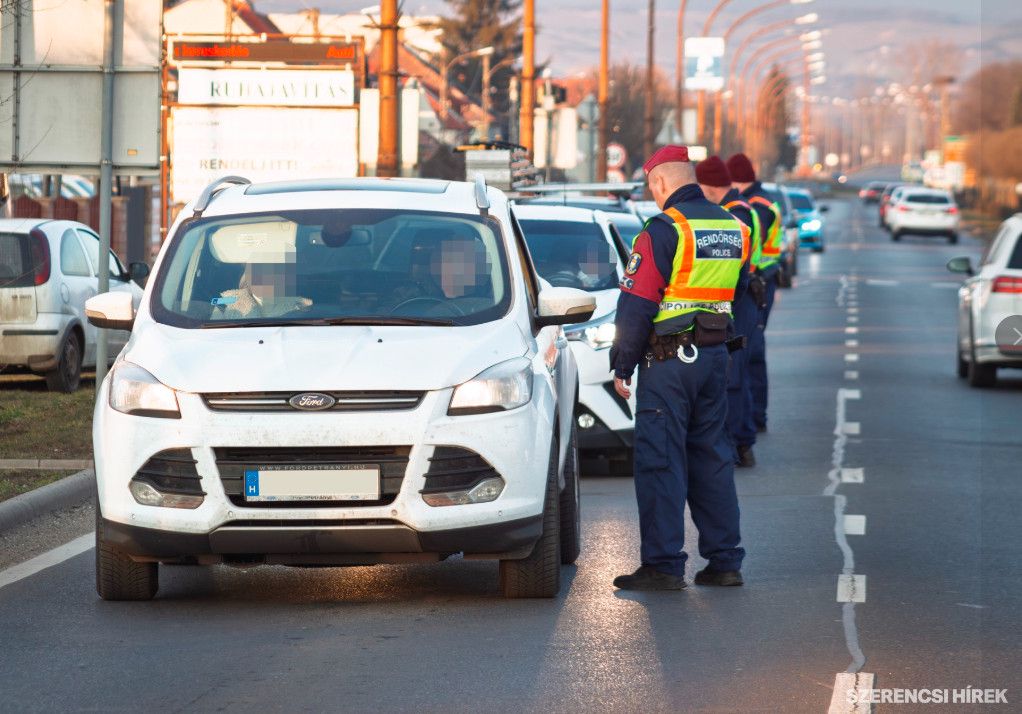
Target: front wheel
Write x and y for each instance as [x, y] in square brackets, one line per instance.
[895, 235]
[571, 505]
[118, 577]
[963, 366]
[539, 575]
[982, 375]
[68, 373]
[952, 238]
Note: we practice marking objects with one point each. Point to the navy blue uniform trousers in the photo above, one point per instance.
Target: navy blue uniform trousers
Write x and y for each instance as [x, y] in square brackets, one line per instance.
[683, 452]
[740, 423]
[757, 357]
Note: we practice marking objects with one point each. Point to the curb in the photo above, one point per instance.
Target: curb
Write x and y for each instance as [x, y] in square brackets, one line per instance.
[51, 497]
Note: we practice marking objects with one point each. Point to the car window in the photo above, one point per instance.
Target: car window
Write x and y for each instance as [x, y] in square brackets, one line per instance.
[15, 261]
[928, 198]
[91, 242]
[1015, 261]
[72, 258]
[528, 269]
[801, 201]
[334, 265]
[628, 227]
[998, 245]
[572, 254]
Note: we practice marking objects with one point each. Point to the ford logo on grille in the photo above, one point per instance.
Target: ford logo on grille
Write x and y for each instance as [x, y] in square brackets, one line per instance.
[312, 401]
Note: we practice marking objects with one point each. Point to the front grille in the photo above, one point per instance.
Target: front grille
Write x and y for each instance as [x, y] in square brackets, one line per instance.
[232, 463]
[353, 401]
[618, 399]
[172, 471]
[452, 468]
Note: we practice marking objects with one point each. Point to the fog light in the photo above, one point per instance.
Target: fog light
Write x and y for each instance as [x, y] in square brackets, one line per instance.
[483, 492]
[586, 421]
[146, 495]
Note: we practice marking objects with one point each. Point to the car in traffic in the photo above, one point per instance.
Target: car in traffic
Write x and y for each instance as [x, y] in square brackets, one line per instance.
[789, 232]
[335, 373]
[48, 269]
[989, 306]
[871, 192]
[925, 212]
[580, 248]
[885, 200]
[809, 217]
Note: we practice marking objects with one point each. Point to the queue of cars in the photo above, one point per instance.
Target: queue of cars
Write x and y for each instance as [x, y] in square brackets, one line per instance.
[911, 209]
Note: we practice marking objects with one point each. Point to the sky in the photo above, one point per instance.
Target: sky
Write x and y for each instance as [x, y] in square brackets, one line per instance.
[863, 39]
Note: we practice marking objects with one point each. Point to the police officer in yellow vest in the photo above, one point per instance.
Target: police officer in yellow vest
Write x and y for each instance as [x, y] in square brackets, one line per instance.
[767, 265]
[673, 322]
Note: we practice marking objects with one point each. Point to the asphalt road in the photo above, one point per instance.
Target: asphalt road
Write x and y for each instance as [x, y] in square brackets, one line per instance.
[867, 419]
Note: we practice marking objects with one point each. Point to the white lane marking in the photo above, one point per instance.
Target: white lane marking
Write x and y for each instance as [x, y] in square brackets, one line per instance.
[852, 357]
[855, 525]
[946, 285]
[851, 588]
[852, 428]
[852, 309]
[853, 394]
[47, 559]
[835, 476]
[853, 475]
[844, 683]
[853, 318]
[851, 343]
[883, 283]
[851, 374]
[972, 605]
[851, 330]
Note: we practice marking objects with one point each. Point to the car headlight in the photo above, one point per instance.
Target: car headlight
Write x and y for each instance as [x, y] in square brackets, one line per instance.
[502, 387]
[598, 334]
[812, 225]
[134, 391]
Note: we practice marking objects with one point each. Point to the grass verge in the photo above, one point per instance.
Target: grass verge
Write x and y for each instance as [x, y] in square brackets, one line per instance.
[37, 424]
[15, 483]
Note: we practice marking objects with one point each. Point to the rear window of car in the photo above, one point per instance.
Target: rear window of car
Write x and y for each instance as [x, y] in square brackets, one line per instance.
[15, 261]
[801, 202]
[1015, 262]
[930, 198]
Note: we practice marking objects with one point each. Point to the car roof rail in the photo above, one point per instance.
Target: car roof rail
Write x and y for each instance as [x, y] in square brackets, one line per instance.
[209, 193]
[482, 200]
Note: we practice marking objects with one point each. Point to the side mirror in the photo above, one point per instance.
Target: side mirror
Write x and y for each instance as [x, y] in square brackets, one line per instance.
[823, 207]
[962, 264]
[138, 272]
[112, 311]
[564, 306]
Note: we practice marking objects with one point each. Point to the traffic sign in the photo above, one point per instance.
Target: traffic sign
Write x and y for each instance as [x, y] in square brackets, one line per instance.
[615, 176]
[617, 156]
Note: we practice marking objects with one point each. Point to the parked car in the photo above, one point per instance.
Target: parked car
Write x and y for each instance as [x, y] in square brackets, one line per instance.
[986, 301]
[885, 201]
[924, 211]
[48, 269]
[789, 231]
[340, 372]
[870, 193]
[809, 217]
[579, 248]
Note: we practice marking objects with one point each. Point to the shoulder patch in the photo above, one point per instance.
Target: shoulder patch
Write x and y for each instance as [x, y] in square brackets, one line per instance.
[633, 264]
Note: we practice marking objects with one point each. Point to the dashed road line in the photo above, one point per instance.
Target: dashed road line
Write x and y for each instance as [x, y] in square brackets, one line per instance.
[851, 343]
[842, 702]
[882, 283]
[851, 374]
[855, 525]
[852, 428]
[853, 475]
[852, 357]
[851, 330]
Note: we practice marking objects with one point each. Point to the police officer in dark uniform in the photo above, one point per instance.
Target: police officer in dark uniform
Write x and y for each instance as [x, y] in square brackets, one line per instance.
[715, 182]
[743, 177]
[673, 322]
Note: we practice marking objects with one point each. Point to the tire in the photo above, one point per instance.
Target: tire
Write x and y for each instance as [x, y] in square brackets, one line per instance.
[895, 235]
[571, 506]
[980, 375]
[118, 577]
[539, 575]
[820, 248]
[68, 373]
[952, 238]
[963, 366]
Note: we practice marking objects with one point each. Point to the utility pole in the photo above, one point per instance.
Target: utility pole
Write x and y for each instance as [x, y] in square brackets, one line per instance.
[650, 134]
[679, 72]
[805, 119]
[386, 162]
[602, 94]
[111, 42]
[526, 119]
[485, 129]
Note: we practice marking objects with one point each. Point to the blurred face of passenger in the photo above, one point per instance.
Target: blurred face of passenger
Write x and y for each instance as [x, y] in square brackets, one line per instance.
[454, 267]
[271, 280]
[595, 261]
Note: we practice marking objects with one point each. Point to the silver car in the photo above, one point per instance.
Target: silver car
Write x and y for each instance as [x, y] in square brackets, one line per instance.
[48, 269]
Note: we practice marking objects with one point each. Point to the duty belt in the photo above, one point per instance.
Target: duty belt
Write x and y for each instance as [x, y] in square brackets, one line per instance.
[714, 306]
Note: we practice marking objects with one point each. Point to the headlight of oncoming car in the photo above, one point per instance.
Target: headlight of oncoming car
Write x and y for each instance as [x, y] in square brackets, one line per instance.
[812, 225]
[598, 334]
[134, 391]
[505, 386]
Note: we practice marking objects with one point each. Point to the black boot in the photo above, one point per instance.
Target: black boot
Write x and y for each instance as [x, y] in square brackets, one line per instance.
[723, 578]
[746, 459]
[647, 578]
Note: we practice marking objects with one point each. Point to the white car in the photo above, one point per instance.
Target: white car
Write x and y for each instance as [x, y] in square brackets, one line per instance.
[48, 269]
[990, 308]
[342, 372]
[923, 211]
[582, 248]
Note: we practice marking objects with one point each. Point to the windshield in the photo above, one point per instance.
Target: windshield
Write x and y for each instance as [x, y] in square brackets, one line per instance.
[334, 266]
[801, 202]
[572, 254]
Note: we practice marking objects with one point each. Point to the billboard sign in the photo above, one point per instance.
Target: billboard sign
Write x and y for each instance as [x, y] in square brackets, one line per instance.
[209, 142]
[186, 51]
[269, 87]
[704, 63]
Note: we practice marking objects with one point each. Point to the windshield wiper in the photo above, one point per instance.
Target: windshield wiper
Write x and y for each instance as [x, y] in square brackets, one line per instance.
[388, 320]
[267, 323]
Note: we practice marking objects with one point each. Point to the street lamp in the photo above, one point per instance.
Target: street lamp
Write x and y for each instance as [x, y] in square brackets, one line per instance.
[482, 52]
[487, 75]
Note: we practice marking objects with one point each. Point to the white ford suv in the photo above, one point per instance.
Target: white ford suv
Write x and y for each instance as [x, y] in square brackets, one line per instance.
[342, 372]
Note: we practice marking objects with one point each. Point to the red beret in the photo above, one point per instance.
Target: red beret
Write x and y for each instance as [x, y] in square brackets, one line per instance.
[713, 172]
[741, 169]
[666, 155]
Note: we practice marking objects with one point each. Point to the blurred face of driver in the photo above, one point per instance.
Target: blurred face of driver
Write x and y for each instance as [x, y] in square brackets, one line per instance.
[454, 267]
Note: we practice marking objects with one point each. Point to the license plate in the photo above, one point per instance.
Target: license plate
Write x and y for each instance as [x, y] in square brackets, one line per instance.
[347, 482]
